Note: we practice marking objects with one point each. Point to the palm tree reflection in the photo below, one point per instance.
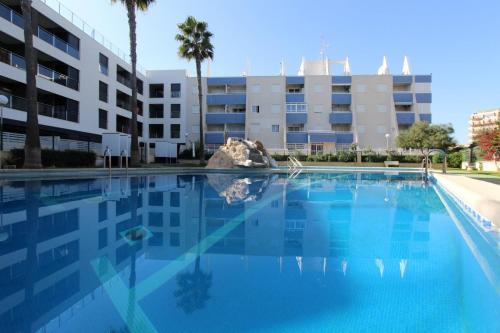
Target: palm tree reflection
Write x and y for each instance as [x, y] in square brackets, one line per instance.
[192, 293]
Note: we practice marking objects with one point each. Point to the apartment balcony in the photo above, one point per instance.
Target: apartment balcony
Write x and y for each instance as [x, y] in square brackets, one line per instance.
[402, 79]
[320, 137]
[423, 97]
[344, 137]
[221, 81]
[296, 117]
[296, 137]
[403, 98]
[62, 112]
[19, 62]
[341, 98]
[295, 97]
[423, 78]
[214, 137]
[236, 134]
[342, 80]
[11, 16]
[426, 117]
[405, 118]
[340, 118]
[57, 42]
[223, 99]
[213, 118]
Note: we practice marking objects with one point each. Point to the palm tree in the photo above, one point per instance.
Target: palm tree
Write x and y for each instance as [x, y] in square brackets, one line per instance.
[195, 44]
[132, 6]
[32, 151]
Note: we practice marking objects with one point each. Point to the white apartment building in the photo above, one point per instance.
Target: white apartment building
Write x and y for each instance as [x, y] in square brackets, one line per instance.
[483, 121]
[84, 91]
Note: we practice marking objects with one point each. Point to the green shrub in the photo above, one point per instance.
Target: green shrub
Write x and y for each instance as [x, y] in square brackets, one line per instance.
[455, 160]
[437, 158]
[60, 159]
[346, 156]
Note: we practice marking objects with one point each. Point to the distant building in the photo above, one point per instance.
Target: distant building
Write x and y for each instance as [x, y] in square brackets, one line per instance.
[84, 90]
[482, 121]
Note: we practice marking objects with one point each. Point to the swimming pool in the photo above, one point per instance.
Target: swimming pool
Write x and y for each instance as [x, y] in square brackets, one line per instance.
[315, 252]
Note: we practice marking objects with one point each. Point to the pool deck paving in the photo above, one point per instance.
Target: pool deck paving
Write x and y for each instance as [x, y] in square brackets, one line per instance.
[483, 197]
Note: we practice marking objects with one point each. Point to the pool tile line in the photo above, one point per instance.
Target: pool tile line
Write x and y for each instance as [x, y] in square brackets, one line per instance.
[483, 222]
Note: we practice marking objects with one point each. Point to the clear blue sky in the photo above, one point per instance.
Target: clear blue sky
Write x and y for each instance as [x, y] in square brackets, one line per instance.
[457, 41]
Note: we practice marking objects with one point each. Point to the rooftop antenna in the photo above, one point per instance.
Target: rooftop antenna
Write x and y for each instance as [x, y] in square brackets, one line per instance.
[406, 66]
[322, 52]
[282, 67]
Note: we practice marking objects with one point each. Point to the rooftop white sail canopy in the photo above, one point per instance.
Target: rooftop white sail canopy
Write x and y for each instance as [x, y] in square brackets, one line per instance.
[406, 66]
[347, 67]
[384, 68]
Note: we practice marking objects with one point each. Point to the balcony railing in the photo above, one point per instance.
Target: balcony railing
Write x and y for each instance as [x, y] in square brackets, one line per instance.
[18, 61]
[57, 42]
[53, 111]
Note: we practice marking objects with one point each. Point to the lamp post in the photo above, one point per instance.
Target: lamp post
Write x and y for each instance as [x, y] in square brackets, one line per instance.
[4, 100]
[387, 135]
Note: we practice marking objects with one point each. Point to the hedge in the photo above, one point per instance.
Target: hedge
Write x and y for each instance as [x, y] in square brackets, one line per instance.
[56, 158]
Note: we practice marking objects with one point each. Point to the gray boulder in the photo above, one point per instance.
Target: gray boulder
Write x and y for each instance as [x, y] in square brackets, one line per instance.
[239, 153]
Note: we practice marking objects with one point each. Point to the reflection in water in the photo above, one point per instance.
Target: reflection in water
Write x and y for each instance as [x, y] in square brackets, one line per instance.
[330, 236]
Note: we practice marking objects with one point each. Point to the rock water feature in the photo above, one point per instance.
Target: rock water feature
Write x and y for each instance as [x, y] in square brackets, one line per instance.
[239, 153]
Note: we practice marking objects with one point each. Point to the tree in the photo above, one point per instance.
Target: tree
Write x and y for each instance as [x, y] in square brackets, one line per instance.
[195, 43]
[425, 137]
[489, 143]
[132, 6]
[32, 151]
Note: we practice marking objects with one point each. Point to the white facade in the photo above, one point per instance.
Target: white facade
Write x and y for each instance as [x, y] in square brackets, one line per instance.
[84, 89]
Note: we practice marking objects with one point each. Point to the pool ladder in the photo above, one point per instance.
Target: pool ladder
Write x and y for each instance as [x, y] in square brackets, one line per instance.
[294, 166]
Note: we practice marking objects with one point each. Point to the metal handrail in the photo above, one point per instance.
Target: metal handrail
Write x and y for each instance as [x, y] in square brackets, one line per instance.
[20, 104]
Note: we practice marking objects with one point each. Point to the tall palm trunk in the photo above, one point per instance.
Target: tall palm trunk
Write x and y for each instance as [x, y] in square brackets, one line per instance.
[200, 102]
[134, 149]
[32, 152]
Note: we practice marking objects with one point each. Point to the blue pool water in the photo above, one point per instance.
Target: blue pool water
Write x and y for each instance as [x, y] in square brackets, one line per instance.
[321, 252]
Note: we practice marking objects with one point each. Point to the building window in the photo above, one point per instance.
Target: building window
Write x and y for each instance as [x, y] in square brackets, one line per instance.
[156, 90]
[103, 211]
[103, 64]
[175, 239]
[175, 90]
[103, 238]
[156, 131]
[294, 90]
[140, 86]
[296, 107]
[275, 128]
[103, 119]
[255, 108]
[276, 108]
[175, 219]
[316, 149]
[295, 129]
[175, 199]
[103, 92]
[175, 131]
[195, 109]
[156, 219]
[155, 110]
[175, 111]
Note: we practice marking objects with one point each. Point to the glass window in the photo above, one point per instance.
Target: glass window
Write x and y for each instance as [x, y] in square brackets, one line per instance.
[175, 90]
[103, 64]
[156, 131]
[156, 90]
[103, 238]
[175, 111]
[255, 108]
[275, 128]
[155, 110]
[103, 211]
[175, 199]
[175, 131]
[317, 149]
[103, 119]
[175, 219]
[103, 92]
[156, 219]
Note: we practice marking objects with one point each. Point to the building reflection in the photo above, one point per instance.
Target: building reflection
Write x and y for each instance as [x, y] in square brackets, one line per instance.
[52, 230]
